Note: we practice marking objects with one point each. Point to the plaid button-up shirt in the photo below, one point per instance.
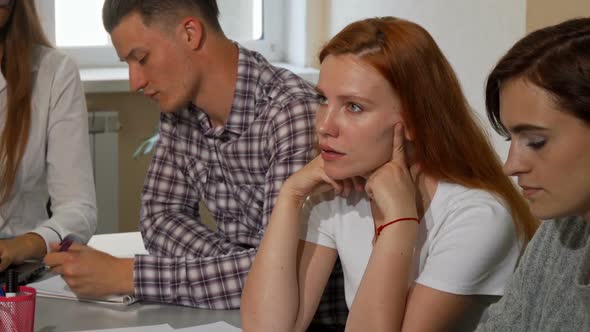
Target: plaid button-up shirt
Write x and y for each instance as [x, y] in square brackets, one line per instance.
[236, 171]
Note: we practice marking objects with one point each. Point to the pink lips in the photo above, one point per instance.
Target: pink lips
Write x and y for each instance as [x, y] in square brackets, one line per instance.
[529, 192]
[150, 94]
[329, 154]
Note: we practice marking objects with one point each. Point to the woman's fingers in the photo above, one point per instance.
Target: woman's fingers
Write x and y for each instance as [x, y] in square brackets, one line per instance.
[336, 185]
[398, 154]
[358, 183]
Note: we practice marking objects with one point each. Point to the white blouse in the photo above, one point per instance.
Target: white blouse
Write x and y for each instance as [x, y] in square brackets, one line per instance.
[56, 163]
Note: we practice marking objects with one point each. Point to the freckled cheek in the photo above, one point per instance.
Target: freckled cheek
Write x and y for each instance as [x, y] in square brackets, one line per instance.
[319, 117]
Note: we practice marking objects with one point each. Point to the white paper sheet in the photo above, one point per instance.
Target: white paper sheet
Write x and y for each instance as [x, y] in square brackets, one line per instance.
[215, 327]
[123, 245]
[152, 328]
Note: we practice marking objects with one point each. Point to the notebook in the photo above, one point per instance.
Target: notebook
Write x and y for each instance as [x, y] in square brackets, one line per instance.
[54, 286]
[27, 272]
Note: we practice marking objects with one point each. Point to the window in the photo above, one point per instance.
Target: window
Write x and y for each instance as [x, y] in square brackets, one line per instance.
[76, 27]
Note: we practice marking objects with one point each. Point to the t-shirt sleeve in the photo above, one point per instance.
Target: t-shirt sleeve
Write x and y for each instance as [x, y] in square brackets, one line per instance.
[475, 250]
[316, 224]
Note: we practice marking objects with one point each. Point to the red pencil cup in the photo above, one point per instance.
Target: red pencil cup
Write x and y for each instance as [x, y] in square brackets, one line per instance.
[17, 314]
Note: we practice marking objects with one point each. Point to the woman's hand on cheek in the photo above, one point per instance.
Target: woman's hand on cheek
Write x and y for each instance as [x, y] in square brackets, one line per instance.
[313, 179]
[392, 186]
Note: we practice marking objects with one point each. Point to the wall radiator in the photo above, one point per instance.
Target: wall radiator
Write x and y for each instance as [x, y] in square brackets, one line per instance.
[103, 127]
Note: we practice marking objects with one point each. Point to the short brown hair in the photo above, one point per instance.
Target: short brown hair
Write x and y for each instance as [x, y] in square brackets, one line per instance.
[113, 11]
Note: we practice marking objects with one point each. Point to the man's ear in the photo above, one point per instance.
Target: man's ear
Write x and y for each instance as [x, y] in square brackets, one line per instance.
[192, 32]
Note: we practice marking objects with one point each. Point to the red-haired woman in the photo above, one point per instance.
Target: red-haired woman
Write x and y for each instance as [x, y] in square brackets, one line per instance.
[431, 234]
[44, 150]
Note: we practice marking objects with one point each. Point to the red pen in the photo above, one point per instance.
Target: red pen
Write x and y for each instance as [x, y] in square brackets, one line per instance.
[65, 244]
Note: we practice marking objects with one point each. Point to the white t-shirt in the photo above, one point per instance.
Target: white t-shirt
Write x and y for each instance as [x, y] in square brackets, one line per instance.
[467, 243]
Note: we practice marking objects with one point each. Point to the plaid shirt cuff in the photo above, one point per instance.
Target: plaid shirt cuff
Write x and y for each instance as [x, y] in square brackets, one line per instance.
[210, 282]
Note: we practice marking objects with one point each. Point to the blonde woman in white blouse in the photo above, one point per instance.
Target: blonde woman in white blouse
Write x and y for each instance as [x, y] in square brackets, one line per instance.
[44, 150]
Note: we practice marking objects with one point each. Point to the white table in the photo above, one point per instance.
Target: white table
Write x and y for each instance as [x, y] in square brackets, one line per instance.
[56, 315]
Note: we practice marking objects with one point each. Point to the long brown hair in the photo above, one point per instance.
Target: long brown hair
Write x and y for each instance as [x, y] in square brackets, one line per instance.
[21, 34]
[449, 144]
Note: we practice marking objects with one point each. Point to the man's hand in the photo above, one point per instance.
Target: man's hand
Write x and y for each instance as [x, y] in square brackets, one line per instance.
[91, 273]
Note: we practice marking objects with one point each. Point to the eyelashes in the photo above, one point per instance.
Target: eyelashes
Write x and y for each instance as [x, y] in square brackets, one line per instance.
[537, 144]
[354, 108]
[534, 143]
[350, 106]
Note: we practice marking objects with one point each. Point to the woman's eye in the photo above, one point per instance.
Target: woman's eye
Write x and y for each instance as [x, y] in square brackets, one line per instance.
[537, 143]
[354, 108]
[143, 60]
[322, 100]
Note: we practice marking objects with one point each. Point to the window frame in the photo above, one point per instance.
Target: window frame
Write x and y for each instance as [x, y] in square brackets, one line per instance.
[271, 45]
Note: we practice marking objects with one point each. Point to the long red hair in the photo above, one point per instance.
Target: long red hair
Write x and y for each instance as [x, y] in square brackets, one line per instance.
[449, 144]
[21, 34]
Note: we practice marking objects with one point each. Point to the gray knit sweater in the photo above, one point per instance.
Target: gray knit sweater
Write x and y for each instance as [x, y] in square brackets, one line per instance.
[550, 290]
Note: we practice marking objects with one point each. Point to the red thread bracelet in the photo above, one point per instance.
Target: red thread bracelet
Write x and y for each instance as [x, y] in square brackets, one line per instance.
[380, 228]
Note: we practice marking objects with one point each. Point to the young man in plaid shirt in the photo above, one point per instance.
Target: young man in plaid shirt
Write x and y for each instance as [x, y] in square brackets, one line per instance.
[232, 129]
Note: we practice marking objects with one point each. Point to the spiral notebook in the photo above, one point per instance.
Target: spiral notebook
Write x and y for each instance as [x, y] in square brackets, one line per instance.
[54, 286]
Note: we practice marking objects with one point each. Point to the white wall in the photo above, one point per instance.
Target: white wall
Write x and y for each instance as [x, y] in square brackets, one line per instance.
[295, 31]
[472, 34]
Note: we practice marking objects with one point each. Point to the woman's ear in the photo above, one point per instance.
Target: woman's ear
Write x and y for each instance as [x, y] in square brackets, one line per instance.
[192, 32]
[408, 133]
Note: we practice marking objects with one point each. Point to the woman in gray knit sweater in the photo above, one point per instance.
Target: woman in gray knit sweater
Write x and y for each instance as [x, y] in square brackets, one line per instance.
[538, 97]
